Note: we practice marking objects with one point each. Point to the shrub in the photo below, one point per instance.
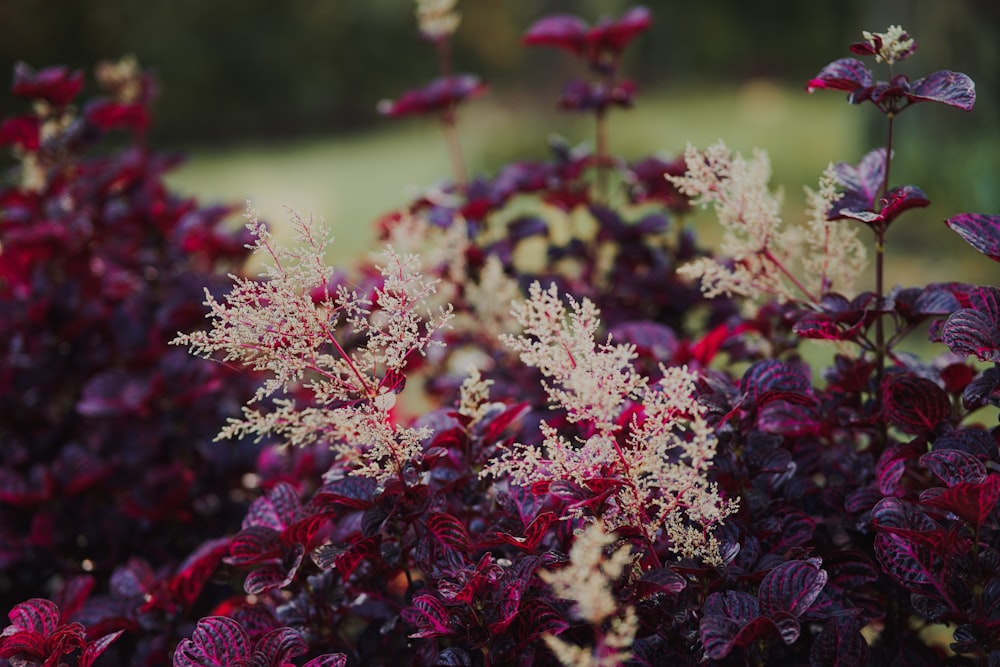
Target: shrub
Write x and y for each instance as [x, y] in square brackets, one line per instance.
[628, 460]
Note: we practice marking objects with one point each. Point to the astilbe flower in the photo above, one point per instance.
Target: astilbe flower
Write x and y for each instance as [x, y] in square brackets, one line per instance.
[587, 580]
[295, 325]
[656, 468]
[437, 19]
[760, 251]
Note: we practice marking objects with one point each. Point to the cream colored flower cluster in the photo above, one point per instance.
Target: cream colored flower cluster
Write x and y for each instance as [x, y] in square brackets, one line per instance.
[763, 256]
[292, 324]
[659, 461]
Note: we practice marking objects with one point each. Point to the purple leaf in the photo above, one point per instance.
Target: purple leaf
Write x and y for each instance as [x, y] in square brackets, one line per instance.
[952, 88]
[839, 644]
[983, 389]
[792, 587]
[861, 184]
[328, 660]
[736, 605]
[217, 642]
[279, 645]
[906, 543]
[772, 380]
[661, 580]
[979, 230]
[969, 331]
[953, 466]
[910, 562]
[914, 404]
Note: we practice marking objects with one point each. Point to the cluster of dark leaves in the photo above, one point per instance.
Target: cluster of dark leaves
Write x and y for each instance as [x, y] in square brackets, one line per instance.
[114, 499]
[868, 498]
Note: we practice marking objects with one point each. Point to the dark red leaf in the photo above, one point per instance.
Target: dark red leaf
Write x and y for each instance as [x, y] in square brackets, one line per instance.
[979, 230]
[915, 404]
[972, 501]
[56, 85]
[910, 562]
[440, 95]
[197, 569]
[110, 115]
[21, 132]
[449, 532]
[562, 31]
[823, 327]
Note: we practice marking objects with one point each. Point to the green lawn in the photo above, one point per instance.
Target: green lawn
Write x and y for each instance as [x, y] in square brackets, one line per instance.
[352, 180]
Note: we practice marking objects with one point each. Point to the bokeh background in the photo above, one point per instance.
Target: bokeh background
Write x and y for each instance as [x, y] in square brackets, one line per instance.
[275, 100]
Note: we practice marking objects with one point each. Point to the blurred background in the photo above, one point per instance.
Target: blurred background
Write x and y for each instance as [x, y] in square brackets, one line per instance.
[275, 101]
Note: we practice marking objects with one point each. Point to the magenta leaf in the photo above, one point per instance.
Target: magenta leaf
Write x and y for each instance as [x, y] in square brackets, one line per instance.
[439, 96]
[972, 501]
[952, 88]
[94, 649]
[792, 587]
[847, 74]
[561, 31]
[953, 466]
[217, 641]
[979, 230]
[36, 615]
[914, 404]
[429, 616]
[56, 85]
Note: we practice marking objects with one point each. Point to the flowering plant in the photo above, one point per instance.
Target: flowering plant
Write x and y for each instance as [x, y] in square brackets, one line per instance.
[627, 459]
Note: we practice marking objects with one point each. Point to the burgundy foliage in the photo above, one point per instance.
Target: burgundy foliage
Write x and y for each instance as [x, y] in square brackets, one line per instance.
[868, 490]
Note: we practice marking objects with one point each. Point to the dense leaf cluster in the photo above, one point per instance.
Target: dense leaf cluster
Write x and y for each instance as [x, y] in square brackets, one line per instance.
[867, 529]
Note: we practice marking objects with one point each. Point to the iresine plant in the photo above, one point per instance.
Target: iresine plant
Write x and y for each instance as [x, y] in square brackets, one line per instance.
[545, 427]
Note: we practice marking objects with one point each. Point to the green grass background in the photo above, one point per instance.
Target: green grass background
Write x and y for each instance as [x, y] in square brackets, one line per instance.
[352, 180]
